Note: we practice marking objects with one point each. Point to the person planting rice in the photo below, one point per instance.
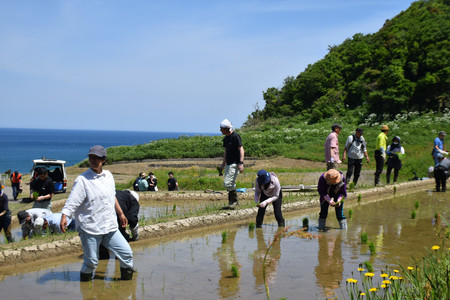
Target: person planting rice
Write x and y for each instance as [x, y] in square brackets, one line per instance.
[332, 188]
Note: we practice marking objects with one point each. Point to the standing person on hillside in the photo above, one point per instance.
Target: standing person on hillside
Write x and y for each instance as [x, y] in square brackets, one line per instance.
[356, 147]
[394, 152]
[152, 182]
[16, 184]
[5, 215]
[332, 148]
[438, 147]
[45, 189]
[94, 205]
[268, 190]
[380, 152]
[332, 188]
[172, 183]
[441, 173]
[233, 161]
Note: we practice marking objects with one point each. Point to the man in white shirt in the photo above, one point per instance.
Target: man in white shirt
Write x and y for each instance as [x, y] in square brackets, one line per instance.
[356, 147]
[93, 203]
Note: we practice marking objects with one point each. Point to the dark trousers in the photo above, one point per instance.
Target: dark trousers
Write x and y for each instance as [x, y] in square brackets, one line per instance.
[379, 166]
[324, 210]
[353, 164]
[388, 174]
[276, 209]
[5, 224]
[16, 189]
[440, 178]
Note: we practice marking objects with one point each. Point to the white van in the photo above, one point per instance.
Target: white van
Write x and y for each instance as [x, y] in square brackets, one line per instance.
[56, 171]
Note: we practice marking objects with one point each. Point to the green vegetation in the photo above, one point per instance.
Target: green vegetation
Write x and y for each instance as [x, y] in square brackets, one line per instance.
[402, 67]
[413, 214]
[251, 226]
[416, 204]
[224, 236]
[372, 248]
[350, 213]
[364, 238]
[234, 271]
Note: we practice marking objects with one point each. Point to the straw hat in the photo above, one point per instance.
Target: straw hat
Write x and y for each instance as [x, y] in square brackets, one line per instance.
[332, 176]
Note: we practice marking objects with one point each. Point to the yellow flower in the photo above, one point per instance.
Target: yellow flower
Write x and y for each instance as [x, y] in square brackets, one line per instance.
[362, 294]
[384, 275]
[351, 280]
[386, 282]
[368, 274]
[383, 286]
[400, 278]
[410, 268]
[393, 277]
[435, 248]
[373, 290]
[396, 271]
[360, 269]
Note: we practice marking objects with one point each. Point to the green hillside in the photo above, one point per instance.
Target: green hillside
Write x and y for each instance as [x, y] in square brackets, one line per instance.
[403, 67]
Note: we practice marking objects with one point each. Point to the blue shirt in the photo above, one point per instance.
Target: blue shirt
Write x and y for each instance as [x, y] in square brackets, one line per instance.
[438, 142]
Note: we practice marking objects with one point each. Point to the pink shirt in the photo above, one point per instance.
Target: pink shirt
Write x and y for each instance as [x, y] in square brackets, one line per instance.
[332, 147]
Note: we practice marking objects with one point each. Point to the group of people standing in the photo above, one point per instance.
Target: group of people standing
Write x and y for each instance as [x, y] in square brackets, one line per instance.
[150, 183]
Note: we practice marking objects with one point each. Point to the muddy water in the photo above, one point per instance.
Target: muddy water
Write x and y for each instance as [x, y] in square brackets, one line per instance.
[198, 265]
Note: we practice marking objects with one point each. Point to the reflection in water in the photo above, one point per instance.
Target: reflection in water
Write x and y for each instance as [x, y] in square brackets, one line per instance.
[226, 256]
[330, 262]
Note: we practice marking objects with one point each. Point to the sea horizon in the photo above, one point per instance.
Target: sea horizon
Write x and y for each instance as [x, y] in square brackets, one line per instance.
[21, 145]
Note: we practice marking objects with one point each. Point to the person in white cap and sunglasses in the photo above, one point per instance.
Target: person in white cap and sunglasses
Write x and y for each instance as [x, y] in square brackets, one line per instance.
[233, 161]
[94, 205]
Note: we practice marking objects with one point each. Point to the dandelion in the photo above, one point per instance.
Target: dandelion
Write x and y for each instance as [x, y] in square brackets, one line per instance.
[383, 286]
[384, 275]
[362, 294]
[368, 274]
[435, 248]
[396, 271]
[351, 280]
[360, 269]
[386, 281]
[393, 278]
[410, 268]
[373, 290]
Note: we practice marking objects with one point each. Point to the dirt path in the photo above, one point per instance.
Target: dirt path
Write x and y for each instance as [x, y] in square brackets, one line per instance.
[39, 250]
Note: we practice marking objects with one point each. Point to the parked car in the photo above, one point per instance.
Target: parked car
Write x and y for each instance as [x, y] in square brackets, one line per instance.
[56, 171]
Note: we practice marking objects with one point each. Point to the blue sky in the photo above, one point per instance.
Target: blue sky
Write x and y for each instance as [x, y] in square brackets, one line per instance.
[167, 65]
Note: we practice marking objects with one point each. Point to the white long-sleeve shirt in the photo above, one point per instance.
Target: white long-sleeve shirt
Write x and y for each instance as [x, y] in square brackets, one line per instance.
[92, 203]
[272, 191]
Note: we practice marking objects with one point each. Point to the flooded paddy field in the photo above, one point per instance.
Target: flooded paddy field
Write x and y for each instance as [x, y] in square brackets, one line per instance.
[198, 264]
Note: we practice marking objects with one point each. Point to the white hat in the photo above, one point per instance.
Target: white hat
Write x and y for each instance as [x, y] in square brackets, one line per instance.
[135, 195]
[38, 223]
[226, 124]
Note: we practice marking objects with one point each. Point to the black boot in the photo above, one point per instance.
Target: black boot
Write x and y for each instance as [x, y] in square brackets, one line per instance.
[233, 199]
[85, 276]
[126, 273]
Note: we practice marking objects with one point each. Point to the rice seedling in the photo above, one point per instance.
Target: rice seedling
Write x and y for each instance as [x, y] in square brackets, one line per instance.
[234, 271]
[372, 248]
[364, 238]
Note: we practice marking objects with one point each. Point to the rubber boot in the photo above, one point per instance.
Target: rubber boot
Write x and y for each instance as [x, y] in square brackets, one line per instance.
[322, 223]
[343, 224]
[85, 276]
[233, 199]
[126, 273]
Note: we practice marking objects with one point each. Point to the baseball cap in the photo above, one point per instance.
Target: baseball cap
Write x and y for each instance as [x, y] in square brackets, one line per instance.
[97, 151]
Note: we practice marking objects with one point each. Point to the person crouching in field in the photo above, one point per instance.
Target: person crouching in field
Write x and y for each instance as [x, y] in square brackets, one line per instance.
[268, 190]
[332, 188]
[441, 172]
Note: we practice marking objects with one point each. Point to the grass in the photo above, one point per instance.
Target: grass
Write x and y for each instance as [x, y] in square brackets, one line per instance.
[364, 238]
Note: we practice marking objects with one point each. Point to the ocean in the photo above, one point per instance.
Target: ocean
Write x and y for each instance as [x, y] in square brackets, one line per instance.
[18, 147]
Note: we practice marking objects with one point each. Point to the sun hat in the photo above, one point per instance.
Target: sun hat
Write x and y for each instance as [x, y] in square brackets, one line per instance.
[226, 124]
[384, 127]
[143, 175]
[263, 177]
[22, 216]
[38, 223]
[336, 125]
[97, 151]
[332, 176]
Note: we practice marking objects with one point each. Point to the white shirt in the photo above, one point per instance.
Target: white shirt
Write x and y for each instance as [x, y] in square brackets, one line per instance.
[92, 203]
[27, 228]
[54, 220]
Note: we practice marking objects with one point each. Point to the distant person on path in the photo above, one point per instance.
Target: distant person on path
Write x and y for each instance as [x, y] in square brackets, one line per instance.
[332, 148]
[233, 161]
[380, 152]
[395, 153]
[16, 184]
[172, 183]
[152, 182]
[93, 204]
[268, 190]
[332, 188]
[356, 147]
[441, 173]
[31, 218]
[5, 215]
[142, 182]
[438, 147]
[44, 187]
